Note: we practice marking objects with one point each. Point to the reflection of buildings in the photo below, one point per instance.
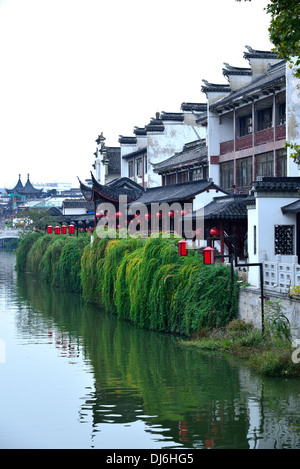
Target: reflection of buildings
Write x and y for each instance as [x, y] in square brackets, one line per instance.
[179, 396]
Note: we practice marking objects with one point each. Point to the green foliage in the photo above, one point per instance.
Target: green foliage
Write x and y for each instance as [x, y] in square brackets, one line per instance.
[276, 322]
[36, 219]
[54, 259]
[36, 252]
[23, 249]
[142, 280]
[67, 275]
[284, 31]
[275, 361]
[50, 259]
[295, 155]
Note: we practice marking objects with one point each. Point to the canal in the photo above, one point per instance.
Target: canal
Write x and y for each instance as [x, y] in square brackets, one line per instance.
[74, 377]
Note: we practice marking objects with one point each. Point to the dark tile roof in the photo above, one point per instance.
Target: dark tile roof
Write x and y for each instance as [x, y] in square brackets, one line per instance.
[127, 140]
[230, 207]
[215, 87]
[240, 71]
[138, 152]
[276, 184]
[140, 131]
[176, 192]
[172, 116]
[197, 107]
[292, 208]
[111, 192]
[193, 152]
[78, 203]
[259, 54]
[274, 76]
[27, 190]
[155, 125]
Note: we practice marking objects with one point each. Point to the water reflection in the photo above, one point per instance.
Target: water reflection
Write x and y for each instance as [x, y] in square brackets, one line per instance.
[145, 382]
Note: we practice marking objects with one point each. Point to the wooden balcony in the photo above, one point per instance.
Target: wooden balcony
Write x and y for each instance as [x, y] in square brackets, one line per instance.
[260, 137]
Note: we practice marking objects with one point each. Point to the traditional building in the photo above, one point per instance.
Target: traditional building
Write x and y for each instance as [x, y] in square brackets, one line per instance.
[190, 164]
[163, 137]
[248, 121]
[27, 191]
[107, 163]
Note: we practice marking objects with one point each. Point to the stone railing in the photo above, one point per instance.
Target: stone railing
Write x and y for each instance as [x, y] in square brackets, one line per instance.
[281, 275]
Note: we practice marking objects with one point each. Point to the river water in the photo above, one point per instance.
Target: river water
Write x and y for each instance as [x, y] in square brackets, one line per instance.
[72, 376]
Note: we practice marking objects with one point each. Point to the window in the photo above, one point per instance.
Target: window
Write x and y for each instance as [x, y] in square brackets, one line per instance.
[145, 164]
[284, 239]
[265, 164]
[183, 176]
[171, 178]
[254, 239]
[196, 174]
[264, 118]
[244, 172]
[139, 167]
[245, 125]
[282, 113]
[130, 169]
[226, 172]
[281, 163]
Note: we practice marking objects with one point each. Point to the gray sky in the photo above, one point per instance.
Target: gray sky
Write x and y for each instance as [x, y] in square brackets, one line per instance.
[72, 69]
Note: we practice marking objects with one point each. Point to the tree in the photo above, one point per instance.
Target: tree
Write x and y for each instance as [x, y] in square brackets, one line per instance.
[284, 30]
[36, 219]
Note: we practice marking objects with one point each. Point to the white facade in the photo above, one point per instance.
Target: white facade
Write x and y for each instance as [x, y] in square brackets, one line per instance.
[162, 138]
[292, 116]
[163, 145]
[265, 220]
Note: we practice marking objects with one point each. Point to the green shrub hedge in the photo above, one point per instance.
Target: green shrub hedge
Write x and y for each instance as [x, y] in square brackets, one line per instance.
[141, 280]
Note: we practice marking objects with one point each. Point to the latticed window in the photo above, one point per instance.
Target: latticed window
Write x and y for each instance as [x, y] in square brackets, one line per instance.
[265, 164]
[264, 117]
[226, 173]
[244, 171]
[284, 239]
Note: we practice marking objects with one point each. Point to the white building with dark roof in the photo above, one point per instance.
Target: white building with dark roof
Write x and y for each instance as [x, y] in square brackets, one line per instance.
[162, 138]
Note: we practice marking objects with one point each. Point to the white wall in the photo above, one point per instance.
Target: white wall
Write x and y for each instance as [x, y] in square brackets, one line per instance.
[213, 143]
[163, 145]
[265, 216]
[292, 116]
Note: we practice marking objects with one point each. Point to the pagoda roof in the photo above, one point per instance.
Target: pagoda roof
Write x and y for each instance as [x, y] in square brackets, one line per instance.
[27, 190]
[112, 191]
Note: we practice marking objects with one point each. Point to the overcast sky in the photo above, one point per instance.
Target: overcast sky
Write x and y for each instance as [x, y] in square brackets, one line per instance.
[72, 69]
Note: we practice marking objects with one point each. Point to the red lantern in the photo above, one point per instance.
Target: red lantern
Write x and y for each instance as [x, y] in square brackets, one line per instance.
[119, 214]
[182, 248]
[57, 230]
[215, 232]
[184, 212]
[99, 214]
[209, 255]
[148, 216]
[199, 232]
[49, 229]
[171, 213]
[63, 229]
[159, 215]
[71, 229]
